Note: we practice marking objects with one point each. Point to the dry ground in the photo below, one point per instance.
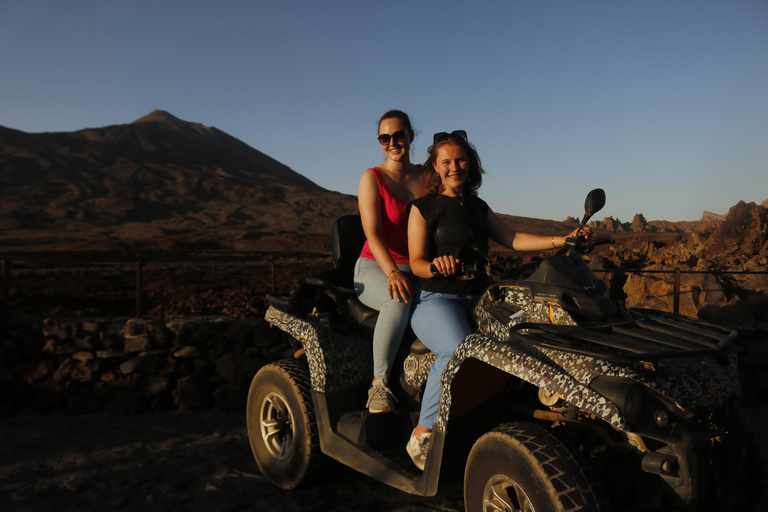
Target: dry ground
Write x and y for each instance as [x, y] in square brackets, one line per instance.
[180, 462]
[171, 462]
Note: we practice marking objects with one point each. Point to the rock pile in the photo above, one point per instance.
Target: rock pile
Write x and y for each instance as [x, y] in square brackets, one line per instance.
[131, 366]
[710, 259]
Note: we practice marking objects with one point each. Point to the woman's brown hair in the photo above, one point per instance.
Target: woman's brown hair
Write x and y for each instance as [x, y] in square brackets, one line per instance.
[432, 181]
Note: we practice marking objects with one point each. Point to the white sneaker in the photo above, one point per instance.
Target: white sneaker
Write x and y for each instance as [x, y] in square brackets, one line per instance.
[418, 447]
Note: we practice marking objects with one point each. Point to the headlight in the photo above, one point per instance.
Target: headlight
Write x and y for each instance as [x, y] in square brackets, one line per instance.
[661, 418]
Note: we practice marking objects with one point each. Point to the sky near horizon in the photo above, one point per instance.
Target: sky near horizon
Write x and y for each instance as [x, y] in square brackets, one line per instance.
[662, 103]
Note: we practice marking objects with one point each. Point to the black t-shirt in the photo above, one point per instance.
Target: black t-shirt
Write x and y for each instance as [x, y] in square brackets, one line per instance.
[443, 211]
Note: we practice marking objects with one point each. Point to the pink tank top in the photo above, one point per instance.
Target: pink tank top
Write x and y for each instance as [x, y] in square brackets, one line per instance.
[394, 223]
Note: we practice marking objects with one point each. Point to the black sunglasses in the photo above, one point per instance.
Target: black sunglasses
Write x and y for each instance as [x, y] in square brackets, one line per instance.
[400, 137]
[441, 136]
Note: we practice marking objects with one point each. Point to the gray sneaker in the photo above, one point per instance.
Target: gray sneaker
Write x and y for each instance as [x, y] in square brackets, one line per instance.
[380, 397]
[418, 447]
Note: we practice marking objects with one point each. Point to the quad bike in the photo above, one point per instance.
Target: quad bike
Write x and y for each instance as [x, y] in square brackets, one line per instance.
[562, 398]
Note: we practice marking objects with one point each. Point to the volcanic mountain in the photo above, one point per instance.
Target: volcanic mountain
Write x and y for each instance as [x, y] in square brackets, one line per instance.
[158, 183]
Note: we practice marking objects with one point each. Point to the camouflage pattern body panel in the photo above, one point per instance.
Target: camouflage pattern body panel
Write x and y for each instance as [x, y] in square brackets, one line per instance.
[335, 361]
[691, 383]
[508, 301]
[531, 365]
[416, 369]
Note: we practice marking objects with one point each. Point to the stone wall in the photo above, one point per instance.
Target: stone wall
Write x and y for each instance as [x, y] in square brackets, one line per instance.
[129, 366]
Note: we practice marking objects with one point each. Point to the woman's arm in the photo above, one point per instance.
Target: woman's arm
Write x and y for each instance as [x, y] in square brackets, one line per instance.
[507, 237]
[368, 202]
[418, 248]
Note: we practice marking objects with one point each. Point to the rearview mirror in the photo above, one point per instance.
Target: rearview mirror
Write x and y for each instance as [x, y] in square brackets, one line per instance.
[593, 204]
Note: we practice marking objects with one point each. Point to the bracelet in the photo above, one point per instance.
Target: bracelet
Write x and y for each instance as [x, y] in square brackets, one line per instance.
[553, 242]
[396, 270]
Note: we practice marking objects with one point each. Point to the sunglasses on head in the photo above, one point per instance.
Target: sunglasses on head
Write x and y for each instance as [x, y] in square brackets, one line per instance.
[400, 137]
[441, 136]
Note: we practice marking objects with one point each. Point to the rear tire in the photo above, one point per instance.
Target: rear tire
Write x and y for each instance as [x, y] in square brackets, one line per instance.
[281, 423]
[523, 467]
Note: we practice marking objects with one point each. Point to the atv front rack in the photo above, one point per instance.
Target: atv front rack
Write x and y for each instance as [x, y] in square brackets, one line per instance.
[647, 336]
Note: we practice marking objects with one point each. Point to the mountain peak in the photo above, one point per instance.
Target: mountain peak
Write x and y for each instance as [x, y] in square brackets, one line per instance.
[159, 116]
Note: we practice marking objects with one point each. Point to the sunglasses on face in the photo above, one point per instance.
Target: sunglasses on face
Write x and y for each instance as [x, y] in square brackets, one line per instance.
[441, 136]
[400, 137]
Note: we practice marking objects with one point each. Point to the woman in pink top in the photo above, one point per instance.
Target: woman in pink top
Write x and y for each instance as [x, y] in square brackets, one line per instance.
[382, 273]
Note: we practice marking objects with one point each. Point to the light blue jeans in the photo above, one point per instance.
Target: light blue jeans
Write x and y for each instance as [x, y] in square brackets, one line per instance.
[440, 321]
[371, 288]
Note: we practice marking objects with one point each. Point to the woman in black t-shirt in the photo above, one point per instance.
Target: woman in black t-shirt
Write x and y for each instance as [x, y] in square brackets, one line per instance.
[440, 315]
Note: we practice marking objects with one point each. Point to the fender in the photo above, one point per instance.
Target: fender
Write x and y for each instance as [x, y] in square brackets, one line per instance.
[530, 364]
[336, 361]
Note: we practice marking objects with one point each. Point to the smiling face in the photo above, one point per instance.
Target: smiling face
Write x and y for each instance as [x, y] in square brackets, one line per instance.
[397, 151]
[452, 165]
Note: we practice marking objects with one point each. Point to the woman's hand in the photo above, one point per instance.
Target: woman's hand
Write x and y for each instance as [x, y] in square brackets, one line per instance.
[583, 232]
[445, 265]
[399, 287]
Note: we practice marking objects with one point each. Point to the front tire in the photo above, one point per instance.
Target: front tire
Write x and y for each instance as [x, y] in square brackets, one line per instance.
[281, 423]
[523, 467]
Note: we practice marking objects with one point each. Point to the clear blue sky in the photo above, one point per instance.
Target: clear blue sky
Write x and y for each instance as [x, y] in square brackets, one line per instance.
[662, 103]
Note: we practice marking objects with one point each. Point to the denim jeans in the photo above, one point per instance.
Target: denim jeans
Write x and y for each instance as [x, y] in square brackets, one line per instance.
[440, 321]
[371, 288]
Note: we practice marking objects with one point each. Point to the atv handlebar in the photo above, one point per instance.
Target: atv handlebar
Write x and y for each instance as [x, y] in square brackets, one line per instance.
[466, 271]
[578, 245]
[573, 245]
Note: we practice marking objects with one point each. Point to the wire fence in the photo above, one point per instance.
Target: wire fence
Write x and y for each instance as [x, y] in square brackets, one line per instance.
[678, 273]
[29, 284]
[138, 270]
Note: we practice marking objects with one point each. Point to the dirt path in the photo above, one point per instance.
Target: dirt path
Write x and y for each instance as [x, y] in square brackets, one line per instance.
[170, 462]
[178, 462]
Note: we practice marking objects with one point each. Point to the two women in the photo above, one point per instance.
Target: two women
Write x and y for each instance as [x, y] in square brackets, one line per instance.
[400, 242]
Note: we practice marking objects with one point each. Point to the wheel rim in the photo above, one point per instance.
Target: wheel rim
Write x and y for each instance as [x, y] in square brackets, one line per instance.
[277, 426]
[501, 493]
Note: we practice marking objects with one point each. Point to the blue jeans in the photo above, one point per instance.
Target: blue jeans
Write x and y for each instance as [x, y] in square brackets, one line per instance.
[440, 321]
[371, 288]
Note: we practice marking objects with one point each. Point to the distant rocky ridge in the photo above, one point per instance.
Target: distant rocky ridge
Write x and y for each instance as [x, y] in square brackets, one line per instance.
[640, 225]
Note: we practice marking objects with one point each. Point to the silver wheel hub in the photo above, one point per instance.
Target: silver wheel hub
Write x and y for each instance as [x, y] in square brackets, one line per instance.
[276, 425]
[502, 494]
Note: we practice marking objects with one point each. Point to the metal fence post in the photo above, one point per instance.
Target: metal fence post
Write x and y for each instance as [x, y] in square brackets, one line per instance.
[676, 298]
[7, 283]
[138, 289]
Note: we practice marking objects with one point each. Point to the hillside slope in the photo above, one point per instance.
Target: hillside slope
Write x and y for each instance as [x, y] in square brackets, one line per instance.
[155, 184]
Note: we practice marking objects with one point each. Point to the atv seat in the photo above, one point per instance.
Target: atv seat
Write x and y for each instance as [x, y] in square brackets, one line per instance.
[347, 239]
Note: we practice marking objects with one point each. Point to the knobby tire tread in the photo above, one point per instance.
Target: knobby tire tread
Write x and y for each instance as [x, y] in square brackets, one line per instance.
[298, 371]
[558, 464]
[291, 377]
